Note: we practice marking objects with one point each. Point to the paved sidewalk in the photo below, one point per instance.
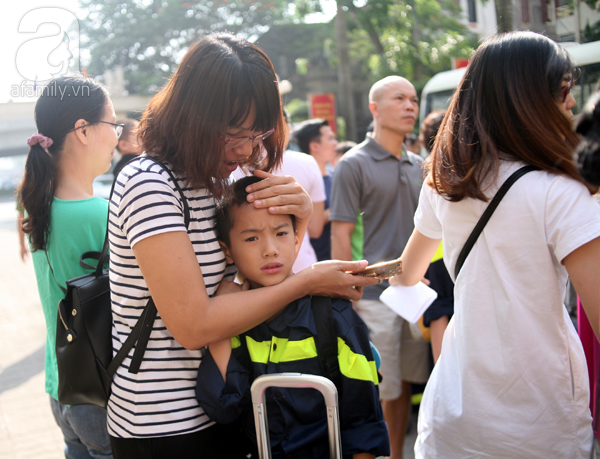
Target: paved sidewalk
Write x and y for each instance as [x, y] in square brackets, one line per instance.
[27, 427]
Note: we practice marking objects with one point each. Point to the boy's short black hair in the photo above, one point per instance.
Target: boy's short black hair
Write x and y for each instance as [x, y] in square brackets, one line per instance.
[235, 196]
[308, 131]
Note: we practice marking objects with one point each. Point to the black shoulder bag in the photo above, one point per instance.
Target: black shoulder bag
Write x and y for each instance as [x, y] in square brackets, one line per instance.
[84, 350]
[487, 214]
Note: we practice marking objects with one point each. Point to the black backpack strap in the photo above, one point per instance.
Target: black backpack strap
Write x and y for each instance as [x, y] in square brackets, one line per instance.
[139, 334]
[487, 215]
[147, 320]
[326, 339]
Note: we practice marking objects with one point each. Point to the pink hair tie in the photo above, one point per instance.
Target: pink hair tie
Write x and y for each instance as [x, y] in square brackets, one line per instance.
[45, 142]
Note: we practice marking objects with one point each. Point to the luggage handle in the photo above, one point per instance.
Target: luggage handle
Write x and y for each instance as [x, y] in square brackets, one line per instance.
[298, 381]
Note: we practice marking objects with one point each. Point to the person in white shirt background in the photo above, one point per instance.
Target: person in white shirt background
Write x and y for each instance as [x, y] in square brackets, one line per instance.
[511, 380]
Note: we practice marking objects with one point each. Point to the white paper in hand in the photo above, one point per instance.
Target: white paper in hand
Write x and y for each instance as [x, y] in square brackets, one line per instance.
[409, 302]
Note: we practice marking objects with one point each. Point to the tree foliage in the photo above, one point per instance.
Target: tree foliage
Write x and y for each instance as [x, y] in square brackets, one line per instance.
[149, 37]
[591, 32]
[412, 38]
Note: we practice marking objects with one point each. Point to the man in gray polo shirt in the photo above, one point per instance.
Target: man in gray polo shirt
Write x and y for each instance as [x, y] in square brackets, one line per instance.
[379, 181]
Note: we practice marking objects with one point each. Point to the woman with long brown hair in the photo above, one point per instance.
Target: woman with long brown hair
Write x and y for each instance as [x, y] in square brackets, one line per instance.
[221, 109]
[511, 379]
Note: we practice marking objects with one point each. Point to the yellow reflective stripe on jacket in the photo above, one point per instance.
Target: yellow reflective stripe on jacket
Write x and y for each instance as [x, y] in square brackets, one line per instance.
[259, 351]
[284, 350]
[356, 366]
[352, 365]
[235, 342]
[439, 253]
[281, 350]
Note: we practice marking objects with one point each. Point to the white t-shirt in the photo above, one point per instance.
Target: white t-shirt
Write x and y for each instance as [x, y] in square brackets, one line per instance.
[512, 379]
[159, 400]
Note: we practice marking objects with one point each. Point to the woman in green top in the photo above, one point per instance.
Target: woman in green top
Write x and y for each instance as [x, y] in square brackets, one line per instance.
[76, 138]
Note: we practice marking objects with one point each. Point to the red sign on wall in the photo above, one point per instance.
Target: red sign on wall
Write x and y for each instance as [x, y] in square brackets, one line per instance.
[323, 106]
[459, 62]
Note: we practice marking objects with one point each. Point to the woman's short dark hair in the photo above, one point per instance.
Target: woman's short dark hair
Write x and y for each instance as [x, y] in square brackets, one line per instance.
[504, 108]
[63, 102]
[220, 79]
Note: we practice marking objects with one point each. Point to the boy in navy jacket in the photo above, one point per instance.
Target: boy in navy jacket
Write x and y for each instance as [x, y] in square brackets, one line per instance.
[264, 247]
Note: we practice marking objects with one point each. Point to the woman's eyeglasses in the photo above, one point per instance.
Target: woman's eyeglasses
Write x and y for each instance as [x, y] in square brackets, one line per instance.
[234, 142]
[570, 80]
[117, 127]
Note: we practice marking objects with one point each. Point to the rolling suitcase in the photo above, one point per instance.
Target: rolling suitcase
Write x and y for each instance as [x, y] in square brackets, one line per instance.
[295, 380]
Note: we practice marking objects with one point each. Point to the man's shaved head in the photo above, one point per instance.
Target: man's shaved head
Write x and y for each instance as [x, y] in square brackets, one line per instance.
[380, 87]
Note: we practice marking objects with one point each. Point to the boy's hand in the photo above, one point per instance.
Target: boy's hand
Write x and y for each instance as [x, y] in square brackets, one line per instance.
[226, 287]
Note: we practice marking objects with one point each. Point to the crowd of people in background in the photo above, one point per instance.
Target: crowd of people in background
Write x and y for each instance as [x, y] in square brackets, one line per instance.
[505, 371]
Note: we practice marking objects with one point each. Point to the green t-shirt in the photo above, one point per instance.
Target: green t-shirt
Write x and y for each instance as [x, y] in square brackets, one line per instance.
[75, 227]
[357, 238]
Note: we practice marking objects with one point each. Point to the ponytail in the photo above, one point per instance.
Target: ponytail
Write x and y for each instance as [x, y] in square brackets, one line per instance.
[63, 102]
[36, 194]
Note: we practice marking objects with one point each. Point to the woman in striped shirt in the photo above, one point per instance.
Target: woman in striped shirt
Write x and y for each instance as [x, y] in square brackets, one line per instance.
[220, 109]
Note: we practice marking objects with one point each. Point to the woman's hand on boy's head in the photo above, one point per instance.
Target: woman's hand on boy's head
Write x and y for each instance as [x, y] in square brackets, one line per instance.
[281, 194]
[333, 278]
[226, 287]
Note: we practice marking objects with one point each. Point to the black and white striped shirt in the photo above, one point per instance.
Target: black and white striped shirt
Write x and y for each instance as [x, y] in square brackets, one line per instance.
[159, 400]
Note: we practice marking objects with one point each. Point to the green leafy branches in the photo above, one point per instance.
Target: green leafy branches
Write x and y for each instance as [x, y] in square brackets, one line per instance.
[149, 37]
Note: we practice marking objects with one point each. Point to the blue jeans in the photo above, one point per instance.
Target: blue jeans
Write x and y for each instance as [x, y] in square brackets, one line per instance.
[84, 430]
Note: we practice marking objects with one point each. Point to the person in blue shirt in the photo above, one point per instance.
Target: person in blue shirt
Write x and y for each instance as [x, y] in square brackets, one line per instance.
[264, 246]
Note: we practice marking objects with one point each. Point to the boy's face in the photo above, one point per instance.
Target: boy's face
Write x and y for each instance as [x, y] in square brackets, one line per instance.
[263, 246]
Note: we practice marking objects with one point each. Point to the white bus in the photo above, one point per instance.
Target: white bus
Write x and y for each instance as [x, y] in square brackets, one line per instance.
[438, 91]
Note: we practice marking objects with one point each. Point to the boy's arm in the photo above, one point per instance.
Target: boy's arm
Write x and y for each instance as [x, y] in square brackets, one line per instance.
[363, 456]
[221, 352]
[364, 432]
[223, 383]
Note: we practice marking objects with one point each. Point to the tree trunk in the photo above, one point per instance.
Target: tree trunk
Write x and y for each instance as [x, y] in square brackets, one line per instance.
[366, 23]
[345, 73]
[504, 14]
[416, 38]
[577, 8]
